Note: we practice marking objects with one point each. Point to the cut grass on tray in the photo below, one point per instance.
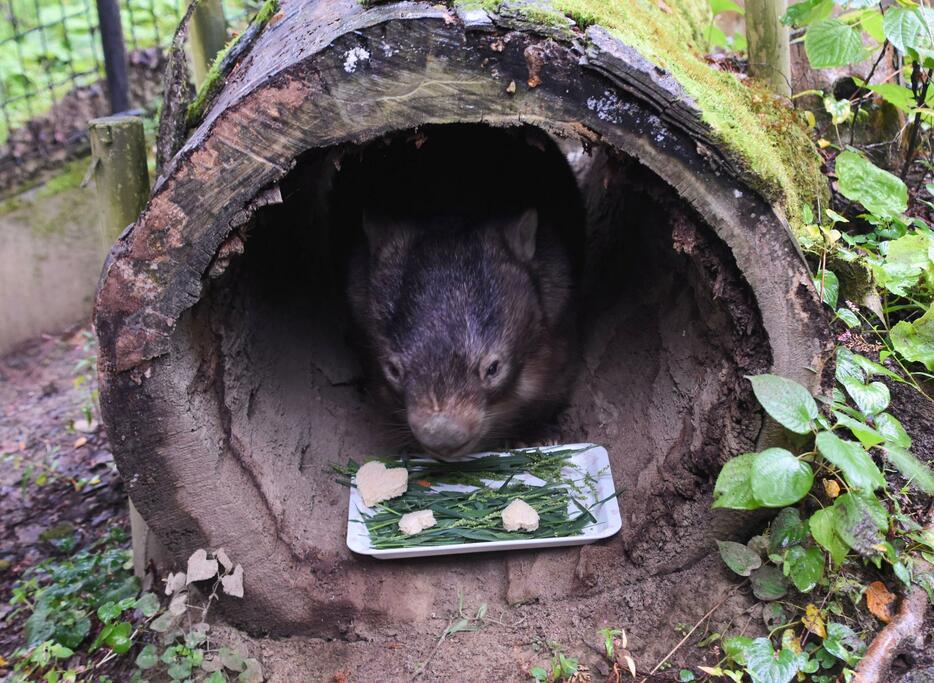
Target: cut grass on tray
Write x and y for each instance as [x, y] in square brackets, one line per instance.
[474, 516]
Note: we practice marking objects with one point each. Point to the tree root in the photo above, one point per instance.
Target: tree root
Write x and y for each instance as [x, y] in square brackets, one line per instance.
[905, 627]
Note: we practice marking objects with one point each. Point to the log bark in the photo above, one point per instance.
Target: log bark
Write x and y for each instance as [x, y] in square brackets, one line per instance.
[227, 387]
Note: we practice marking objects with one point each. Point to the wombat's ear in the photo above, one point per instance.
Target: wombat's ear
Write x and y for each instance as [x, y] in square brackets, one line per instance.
[380, 231]
[520, 235]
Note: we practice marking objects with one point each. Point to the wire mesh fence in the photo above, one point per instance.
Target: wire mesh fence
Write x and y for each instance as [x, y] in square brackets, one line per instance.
[50, 47]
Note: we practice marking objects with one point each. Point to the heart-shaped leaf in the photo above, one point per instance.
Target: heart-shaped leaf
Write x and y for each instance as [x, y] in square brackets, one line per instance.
[768, 583]
[824, 530]
[738, 557]
[765, 665]
[789, 403]
[778, 478]
[733, 488]
[891, 429]
[786, 530]
[858, 468]
[860, 521]
[805, 567]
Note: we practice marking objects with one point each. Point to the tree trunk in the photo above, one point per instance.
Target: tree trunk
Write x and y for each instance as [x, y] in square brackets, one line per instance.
[769, 51]
[227, 385]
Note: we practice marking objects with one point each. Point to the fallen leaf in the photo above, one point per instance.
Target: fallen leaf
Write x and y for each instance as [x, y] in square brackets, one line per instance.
[80, 441]
[179, 604]
[423, 482]
[233, 584]
[511, 88]
[813, 622]
[831, 488]
[175, 582]
[221, 556]
[200, 567]
[879, 601]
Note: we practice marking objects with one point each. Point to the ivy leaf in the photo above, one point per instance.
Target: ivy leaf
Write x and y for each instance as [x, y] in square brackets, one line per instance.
[860, 521]
[831, 42]
[858, 468]
[778, 478]
[890, 428]
[843, 643]
[805, 567]
[766, 666]
[789, 403]
[824, 530]
[148, 604]
[108, 612]
[786, 530]
[119, 637]
[915, 340]
[860, 180]
[733, 488]
[738, 557]
[828, 285]
[147, 657]
[768, 583]
[911, 468]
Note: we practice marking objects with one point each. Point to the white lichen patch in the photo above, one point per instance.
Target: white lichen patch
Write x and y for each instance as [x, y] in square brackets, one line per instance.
[519, 515]
[355, 56]
[416, 522]
[377, 483]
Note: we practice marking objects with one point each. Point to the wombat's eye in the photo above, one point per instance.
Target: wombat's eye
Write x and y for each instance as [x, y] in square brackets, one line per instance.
[492, 369]
[393, 370]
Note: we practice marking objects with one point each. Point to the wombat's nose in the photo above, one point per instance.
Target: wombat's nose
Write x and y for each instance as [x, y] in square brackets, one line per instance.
[442, 434]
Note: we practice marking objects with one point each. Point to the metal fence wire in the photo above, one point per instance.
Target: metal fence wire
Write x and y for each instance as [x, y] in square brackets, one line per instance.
[50, 47]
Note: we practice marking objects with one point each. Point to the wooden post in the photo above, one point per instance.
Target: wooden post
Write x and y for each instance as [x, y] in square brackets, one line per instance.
[120, 172]
[208, 36]
[769, 49]
[121, 175]
[118, 84]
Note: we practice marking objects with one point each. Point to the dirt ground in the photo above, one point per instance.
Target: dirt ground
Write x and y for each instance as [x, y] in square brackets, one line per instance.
[39, 402]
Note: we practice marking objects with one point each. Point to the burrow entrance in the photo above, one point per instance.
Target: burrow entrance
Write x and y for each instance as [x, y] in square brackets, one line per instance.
[669, 328]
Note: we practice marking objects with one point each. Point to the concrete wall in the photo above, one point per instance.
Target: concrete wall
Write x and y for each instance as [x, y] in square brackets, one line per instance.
[51, 253]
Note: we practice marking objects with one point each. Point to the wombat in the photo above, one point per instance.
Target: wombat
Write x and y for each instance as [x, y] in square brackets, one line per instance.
[462, 284]
[470, 327]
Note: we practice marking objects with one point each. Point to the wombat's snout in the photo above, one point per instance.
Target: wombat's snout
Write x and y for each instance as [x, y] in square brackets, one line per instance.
[444, 433]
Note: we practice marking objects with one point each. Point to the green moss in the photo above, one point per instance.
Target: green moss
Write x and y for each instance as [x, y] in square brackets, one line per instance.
[767, 138]
[68, 178]
[214, 78]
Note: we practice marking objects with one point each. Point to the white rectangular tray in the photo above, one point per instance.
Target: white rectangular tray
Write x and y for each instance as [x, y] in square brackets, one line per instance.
[593, 461]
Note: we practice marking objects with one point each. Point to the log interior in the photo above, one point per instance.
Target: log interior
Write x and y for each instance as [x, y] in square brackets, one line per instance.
[670, 327]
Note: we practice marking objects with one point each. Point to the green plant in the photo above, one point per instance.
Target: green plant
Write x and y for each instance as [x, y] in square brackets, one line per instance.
[896, 254]
[850, 516]
[94, 593]
[70, 598]
[560, 668]
[865, 30]
[185, 650]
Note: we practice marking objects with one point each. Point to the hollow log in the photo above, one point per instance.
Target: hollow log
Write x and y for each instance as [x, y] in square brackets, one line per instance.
[228, 388]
